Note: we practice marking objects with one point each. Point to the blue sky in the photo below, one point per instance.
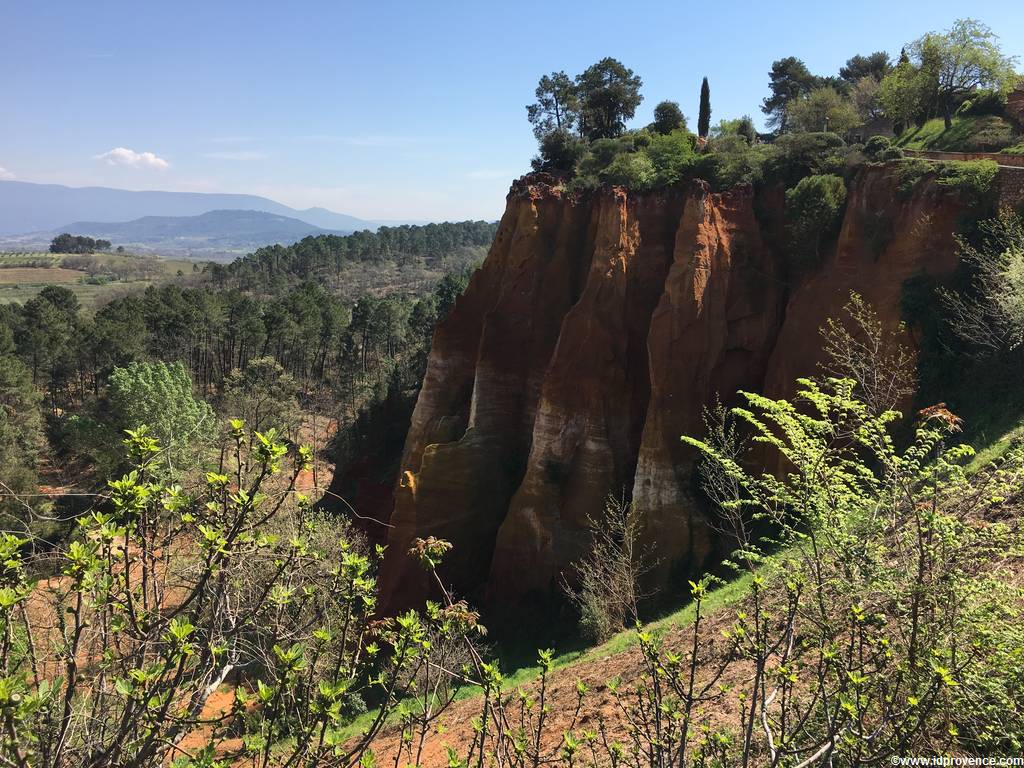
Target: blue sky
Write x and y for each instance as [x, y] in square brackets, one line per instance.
[404, 110]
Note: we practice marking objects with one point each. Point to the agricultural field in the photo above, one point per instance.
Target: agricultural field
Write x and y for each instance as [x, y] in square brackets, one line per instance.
[95, 278]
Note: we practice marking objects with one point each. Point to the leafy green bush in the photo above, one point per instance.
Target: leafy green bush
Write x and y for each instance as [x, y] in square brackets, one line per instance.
[881, 149]
[983, 102]
[973, 179]
[599, 155]
[813, 213]
[634, 170]
[170, 590]
[989, 315]
[732, 160]
[560, 150]
[894, 542]
[911, 172]
[875, 145]
[797, 155]
[991, 134]
[672, 155]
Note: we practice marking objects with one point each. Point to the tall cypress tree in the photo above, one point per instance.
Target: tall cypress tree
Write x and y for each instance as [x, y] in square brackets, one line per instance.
[704, 117]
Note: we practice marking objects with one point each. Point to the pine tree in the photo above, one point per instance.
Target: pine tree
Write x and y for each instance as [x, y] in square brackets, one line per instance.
[704, 117]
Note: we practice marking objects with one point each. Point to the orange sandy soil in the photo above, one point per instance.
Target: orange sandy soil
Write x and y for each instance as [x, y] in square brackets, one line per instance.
[314, 481]
[598, 704]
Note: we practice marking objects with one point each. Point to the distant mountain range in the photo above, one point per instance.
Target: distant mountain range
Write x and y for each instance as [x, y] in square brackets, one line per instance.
[27, 207]
[229, 230]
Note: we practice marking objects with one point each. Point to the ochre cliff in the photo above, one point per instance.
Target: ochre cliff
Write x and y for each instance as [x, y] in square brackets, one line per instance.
[590, 340]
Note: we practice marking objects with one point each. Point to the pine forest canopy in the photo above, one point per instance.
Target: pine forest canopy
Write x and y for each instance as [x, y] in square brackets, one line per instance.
[329, 253]
[272, 316]
[68, 243]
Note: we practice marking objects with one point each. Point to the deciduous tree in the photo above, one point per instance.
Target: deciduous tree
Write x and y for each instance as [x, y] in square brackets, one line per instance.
[823, 109]
[160, 396]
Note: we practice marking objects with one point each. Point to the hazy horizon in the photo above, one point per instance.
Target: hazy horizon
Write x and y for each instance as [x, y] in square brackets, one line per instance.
[380, 111]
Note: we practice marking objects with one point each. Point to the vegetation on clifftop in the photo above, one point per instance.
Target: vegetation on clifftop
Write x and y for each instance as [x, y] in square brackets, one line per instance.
[947, 91]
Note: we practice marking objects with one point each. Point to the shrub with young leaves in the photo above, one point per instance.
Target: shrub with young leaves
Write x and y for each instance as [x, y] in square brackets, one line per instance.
[989, 314]
[606, 584]
[166, 594]
[876, 632]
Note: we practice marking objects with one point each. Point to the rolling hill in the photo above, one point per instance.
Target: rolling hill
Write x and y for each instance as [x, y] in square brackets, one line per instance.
[211, 232]
[27, 207]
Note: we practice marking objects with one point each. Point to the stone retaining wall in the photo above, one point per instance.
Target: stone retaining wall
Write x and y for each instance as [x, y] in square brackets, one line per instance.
[1017, 161]
[1011, 187]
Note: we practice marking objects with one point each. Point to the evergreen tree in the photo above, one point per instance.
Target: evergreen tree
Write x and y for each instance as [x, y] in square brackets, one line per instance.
[789, 80]
[557, 105]
[668, 117]
[704, 118]
[609, 94]
[21, 432]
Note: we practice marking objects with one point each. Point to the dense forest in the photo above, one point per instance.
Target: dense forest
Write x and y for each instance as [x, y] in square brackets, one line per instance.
[267, 321]
[336, 259]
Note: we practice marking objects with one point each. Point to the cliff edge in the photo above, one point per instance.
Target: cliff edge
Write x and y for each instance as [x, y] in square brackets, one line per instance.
[591, 338]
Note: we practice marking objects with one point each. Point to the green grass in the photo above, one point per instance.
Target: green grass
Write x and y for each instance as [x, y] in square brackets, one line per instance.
[994, 425]
[986, 133]
[997, 448]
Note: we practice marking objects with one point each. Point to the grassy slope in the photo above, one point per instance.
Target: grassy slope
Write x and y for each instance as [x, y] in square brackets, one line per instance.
[1011, 429]
[986, 133]
[716, 600]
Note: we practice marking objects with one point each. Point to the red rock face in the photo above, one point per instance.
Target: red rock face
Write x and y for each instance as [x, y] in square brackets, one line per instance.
[470, 431]
[885, 239]
[590, 340]
[710, 336]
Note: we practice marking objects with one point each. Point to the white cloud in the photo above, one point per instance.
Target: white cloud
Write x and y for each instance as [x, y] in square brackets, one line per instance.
[129, 157]
[5, 175]
[241, 155]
